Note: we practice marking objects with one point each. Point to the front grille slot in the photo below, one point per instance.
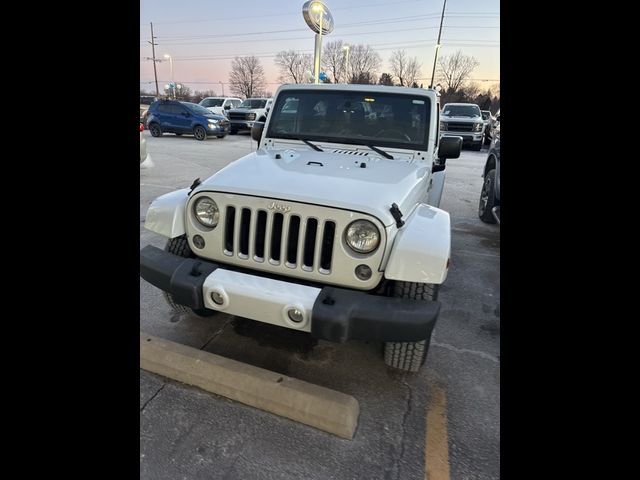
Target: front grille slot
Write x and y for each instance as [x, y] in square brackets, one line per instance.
[276, 238]
[309, 244]
[245, 219]
[326, 254]
[229, 222]
[261, 227]
[292, 240]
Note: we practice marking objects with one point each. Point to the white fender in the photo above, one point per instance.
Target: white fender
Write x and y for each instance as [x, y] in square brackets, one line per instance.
[422, 247]
[166, 214]
[435, 189]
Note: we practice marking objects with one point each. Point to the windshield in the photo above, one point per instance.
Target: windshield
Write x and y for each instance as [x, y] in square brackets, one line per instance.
[461, 111]
[381, 119]
[196, 108]
[250, 103]
[212, 102]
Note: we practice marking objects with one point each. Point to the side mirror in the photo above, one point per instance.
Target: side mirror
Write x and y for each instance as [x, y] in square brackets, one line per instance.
[256, 130]
[227, 106]
[186, 114]
[450, 147]
[438, 168]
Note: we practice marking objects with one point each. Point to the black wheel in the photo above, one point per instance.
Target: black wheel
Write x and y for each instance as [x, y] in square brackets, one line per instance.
[233, 131]
[200, 133]
[178, 134]
[487, 198]
[155, 130]
[179, 246]
[410, 356]
[220, 136]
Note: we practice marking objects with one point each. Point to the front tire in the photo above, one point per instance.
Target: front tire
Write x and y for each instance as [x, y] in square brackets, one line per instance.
[410, 356]
[179, 246]
[487, 197]
[155, 130]
[200, 133]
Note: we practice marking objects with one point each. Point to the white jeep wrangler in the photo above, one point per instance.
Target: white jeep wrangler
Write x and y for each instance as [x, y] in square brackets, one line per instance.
[331, 227]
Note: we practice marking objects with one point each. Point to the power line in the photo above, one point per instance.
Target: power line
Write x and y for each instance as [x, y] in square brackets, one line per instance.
[412, 18]
[288, 13]
[169, 38]
[352, 34]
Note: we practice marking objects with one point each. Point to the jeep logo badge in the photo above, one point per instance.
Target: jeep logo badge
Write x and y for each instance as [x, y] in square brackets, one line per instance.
[280, 207]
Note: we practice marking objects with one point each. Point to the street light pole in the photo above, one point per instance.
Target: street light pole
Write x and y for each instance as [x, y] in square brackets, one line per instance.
[173, 88]
[222, 85]
[346, 64]
[435, 60]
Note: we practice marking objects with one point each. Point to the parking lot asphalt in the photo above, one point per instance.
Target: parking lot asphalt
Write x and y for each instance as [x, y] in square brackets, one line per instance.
[186, 433]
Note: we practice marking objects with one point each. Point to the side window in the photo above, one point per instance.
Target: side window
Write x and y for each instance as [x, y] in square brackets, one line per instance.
[164, 108]
[176, 109]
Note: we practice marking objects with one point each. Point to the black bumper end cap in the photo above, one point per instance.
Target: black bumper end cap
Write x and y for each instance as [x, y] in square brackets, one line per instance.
[340, 315]
[181, 277]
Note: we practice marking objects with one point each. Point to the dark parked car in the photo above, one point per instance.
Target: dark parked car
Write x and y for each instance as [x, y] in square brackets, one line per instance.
[489, 205]
[172, 116]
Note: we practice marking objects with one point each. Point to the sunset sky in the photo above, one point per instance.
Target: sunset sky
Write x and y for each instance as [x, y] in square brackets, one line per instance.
[203, 36]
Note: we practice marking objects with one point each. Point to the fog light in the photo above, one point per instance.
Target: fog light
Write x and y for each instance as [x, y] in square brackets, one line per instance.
[295, 315]
[217, 298]
[198, 241]
[363, 272]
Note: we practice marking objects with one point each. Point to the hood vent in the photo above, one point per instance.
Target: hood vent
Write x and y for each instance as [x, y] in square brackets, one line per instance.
[351, 152]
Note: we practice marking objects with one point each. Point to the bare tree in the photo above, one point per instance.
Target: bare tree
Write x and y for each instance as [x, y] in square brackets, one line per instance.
[405, 69]
[455, 69]
[333, 61]
[293, 66]
[247, 76]
[364, 63]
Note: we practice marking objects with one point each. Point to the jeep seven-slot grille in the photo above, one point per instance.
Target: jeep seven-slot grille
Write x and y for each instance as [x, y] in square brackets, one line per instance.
[279, 238]
[460, 127]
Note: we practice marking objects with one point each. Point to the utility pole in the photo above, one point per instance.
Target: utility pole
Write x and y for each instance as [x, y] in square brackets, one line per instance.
[153, 52]
[435, 60]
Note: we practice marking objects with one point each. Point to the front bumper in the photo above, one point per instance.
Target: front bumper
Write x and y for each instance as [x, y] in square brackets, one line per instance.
[241, 124]
[218, 128]
[328, 313]
[467, 137]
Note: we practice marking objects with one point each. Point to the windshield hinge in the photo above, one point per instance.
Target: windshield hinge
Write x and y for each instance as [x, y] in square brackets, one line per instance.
[397, 214]
[195, 183]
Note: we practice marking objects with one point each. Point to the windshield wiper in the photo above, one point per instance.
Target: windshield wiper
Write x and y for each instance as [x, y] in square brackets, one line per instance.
[377, 150]
[315, 147]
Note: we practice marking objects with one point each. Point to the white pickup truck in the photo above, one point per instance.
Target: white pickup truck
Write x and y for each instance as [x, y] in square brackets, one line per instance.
[331, 227]
[242, 117]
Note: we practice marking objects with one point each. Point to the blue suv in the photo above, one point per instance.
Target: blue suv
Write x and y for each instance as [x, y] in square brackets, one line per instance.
[172, 116]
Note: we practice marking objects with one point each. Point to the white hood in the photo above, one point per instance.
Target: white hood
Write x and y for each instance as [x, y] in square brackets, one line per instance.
[335, 179]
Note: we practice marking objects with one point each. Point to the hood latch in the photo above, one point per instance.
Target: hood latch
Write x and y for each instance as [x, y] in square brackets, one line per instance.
[396, 214]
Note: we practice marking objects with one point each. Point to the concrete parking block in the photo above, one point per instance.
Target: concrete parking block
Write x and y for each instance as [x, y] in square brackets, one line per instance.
[313, 405]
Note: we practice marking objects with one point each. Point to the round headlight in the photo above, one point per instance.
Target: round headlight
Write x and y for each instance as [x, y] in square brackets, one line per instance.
[362, 236]
[206, 212]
